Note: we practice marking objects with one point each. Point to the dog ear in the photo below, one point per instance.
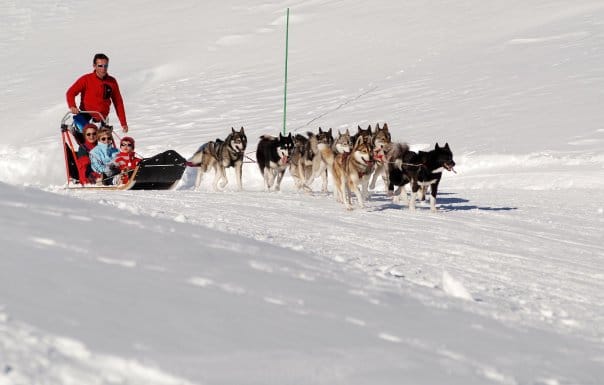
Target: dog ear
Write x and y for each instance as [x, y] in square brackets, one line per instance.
[241, 131]
[232, 130]
[320, 130]
[330, 134]
[385, 127]
[377, 127]
[359, 129]
[369, 127]
[447, 146]
[437, 146]
[359, 141]
[347, 132]
[289, 136]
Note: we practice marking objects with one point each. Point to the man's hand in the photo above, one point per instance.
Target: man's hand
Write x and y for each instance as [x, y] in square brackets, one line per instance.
[125, 128]
[74, 110]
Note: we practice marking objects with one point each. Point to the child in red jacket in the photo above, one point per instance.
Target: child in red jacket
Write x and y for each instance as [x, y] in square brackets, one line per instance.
[126, 159]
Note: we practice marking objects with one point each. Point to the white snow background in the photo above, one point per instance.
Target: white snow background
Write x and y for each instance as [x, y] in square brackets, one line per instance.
[503, 285]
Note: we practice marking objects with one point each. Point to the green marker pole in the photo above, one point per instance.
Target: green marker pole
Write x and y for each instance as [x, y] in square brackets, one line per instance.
[285, 89]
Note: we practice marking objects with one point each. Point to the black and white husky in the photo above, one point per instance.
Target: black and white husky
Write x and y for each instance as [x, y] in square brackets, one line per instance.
[421, 170]
[381, 144]
[272, 156]
[220, 155]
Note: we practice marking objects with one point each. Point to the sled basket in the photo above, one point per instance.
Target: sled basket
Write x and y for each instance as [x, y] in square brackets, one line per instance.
[159, 172]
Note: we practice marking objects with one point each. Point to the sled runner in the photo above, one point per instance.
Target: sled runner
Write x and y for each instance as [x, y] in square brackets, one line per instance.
[159, 172]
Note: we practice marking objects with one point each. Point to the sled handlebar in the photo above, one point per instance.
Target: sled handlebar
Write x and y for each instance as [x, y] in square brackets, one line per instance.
[92, 113]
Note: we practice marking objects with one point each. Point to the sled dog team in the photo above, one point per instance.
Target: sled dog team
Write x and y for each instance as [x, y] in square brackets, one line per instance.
[355, 162]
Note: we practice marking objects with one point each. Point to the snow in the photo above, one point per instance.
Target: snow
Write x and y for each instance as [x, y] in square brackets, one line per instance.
[503, 285]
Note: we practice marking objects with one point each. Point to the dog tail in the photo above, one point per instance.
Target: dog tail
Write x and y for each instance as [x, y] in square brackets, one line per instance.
[196, 158]
[204, 150]
[396, 153]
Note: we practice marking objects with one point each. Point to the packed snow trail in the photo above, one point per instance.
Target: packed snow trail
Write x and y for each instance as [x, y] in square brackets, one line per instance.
[514, 253]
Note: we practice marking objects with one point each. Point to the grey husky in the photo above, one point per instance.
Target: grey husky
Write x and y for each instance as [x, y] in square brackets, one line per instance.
[349, 168]
[220, 155]
[306, 160]
[343, 142]
[301, 160]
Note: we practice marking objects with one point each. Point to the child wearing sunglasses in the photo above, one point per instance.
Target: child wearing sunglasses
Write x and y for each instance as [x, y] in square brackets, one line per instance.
[126, 159]
[102, 156]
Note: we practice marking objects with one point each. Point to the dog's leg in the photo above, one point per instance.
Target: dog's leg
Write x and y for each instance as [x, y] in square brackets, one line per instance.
[307, 172]
[307, 178]
[198, 178]
[267, 178]
[280, 174]
[324, 177]
[238, 175]
[422, 193]
[336, 187]
[346, 194]
[433, 190]
[365, 186]
[414, 188]
[397, 195]
[353, 186]
[223, 178]
[315, 169]
[216, 177]
[386, 179]
[378, 171]
[305, 175]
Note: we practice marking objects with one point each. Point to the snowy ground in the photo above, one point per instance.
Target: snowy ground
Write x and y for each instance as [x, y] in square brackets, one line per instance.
[504, 284]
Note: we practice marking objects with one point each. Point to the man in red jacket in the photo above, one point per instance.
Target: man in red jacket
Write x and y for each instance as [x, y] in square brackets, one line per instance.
[97, 90]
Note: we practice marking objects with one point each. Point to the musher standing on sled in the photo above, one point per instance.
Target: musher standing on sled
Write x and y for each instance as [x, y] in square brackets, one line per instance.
[97, 90]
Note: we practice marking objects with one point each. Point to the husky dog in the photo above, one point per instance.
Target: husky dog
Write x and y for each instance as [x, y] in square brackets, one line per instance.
[220, 155]
[420, 169]
[301, 160]
[306, 162]
[343, 142]
[320, 165]
[367, 134]
[349, 168]
[381, 143]
[272, 156]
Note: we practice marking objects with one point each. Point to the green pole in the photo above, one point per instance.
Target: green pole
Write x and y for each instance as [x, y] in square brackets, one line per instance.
[285, 88]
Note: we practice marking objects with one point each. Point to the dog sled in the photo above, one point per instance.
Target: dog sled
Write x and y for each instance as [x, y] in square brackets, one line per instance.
[159, 172]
